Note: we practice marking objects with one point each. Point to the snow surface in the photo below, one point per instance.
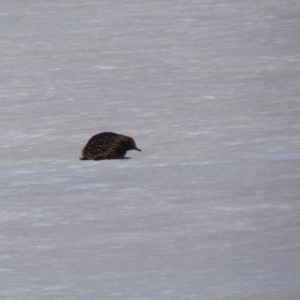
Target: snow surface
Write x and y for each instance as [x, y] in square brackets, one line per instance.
[210, 92]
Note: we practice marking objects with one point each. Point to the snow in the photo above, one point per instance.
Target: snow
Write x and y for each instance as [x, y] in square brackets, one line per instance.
[209, 209]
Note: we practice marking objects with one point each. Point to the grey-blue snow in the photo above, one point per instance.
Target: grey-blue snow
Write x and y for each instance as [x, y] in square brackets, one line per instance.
[209, 90]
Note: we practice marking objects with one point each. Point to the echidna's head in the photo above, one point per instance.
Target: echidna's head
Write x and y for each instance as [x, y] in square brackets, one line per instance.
[131, 145]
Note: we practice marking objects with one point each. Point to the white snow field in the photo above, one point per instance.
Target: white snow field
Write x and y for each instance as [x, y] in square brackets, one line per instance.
[210, 92]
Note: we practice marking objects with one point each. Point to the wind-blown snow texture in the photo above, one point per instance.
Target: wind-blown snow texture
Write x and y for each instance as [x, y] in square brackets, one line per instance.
[210, 92]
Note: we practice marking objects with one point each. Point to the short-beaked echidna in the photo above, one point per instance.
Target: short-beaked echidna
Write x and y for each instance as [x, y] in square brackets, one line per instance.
[108, 145]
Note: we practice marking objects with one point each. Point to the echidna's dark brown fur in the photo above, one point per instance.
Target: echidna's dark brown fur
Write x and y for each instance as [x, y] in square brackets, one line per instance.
[108, 145]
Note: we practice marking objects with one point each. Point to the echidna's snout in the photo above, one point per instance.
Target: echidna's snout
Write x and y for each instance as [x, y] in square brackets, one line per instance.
[133, 146]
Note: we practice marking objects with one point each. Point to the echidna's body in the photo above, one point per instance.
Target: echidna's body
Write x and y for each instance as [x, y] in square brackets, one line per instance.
[108, 145]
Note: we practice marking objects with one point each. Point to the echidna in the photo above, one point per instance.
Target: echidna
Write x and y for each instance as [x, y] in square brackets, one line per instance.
[108, 145]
